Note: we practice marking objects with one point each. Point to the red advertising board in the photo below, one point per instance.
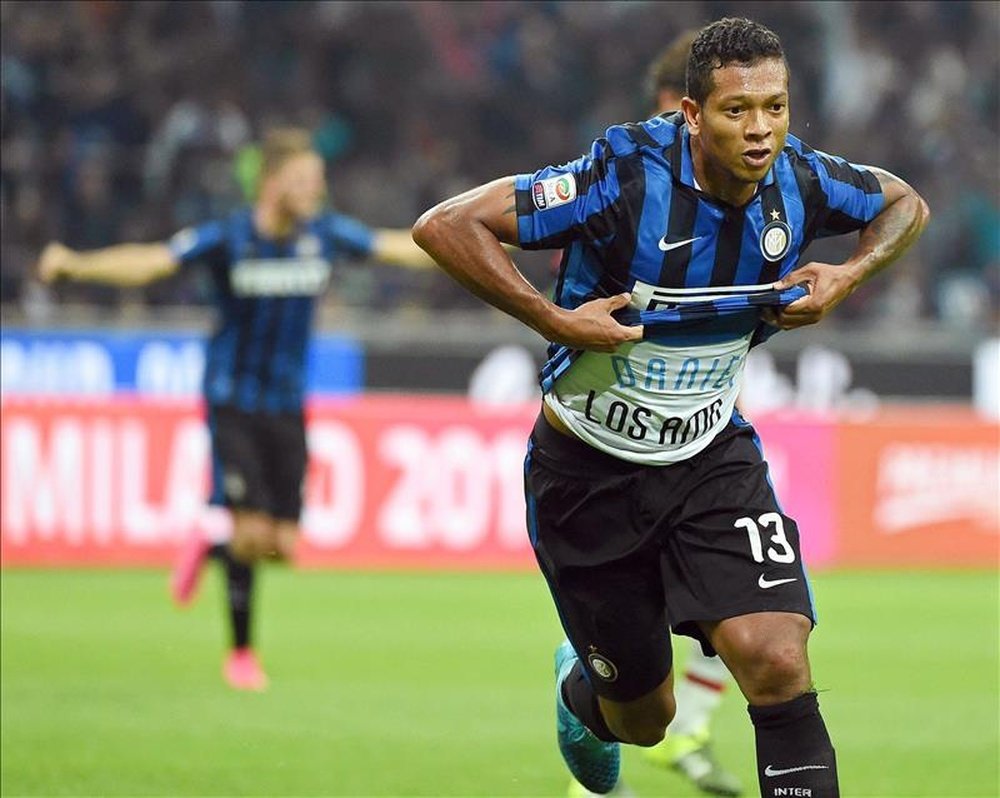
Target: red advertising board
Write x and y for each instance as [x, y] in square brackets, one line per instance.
[392, 481]
[919, 490]
[406, 481]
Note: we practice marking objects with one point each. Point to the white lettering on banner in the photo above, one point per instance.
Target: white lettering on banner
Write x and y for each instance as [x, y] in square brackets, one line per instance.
[402, 519]
[56, 367]
[89, 481]
[139, 519]
[184, 492]
[448, 489]
[93, 479]
[43, 490]
[102, 475]
[921, 484]
[163, 369]
[461, 502]
[335, 498]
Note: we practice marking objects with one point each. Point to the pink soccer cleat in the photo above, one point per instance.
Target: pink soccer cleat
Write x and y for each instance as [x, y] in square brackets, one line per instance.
[242, 671]
[187, 569]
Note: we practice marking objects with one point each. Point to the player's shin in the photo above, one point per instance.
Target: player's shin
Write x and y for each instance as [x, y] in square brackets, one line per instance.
[795, 757]
[239, 594]
[582, 702]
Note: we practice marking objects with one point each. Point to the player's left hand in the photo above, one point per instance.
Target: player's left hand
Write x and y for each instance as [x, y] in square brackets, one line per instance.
[829, 285]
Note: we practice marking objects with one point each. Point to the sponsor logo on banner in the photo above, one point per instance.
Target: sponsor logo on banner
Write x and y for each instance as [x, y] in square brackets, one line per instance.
[923, 484]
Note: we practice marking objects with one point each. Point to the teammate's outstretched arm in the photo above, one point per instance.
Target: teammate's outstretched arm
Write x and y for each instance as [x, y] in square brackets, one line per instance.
[123, 264]
[396, 247]
[903, 217]
[466, 235]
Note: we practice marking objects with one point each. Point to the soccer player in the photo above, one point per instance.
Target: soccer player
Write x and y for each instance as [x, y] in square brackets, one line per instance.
[648, 498]
[268, 264]
[687, 746]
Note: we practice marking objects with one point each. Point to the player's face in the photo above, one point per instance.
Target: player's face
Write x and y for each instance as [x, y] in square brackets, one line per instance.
[742, 125]
[302, 183]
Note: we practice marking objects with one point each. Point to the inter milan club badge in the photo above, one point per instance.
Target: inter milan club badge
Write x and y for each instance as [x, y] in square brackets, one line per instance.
[603, 667]
[775, 239]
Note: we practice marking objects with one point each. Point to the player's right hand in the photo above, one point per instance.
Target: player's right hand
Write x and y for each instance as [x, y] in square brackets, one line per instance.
[54, 262]
[592, 327]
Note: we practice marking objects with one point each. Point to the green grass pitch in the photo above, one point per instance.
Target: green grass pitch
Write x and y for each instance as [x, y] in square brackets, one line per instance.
[440, 684]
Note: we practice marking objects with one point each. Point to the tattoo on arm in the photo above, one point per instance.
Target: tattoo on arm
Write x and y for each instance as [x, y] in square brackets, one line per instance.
[892, 232]
[512, 207]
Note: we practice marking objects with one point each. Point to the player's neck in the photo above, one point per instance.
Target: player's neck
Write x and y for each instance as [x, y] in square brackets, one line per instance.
[271, 222]
[716, 183]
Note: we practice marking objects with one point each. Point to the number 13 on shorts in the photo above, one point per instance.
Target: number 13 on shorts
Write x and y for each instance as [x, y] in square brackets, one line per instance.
[772, 525]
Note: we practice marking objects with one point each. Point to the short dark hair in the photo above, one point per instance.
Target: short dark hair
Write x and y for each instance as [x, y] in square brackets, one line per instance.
[668, 71]
[732, 40]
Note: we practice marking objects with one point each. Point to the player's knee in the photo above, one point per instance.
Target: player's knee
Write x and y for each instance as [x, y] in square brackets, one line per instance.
[243, 548]
[285, 543]
[253, 537]
[645, 725]
[775, 671]
[644, 732]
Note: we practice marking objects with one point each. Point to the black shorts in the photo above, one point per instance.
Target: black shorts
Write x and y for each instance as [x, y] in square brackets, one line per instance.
[258, 460]
[630, 551]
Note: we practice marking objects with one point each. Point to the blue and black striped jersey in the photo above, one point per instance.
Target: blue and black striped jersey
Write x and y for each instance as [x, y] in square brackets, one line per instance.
[265, 291]
[630, 217]
[630, 211]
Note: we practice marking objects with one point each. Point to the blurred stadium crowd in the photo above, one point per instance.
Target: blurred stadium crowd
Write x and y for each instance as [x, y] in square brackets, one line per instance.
[124, 121]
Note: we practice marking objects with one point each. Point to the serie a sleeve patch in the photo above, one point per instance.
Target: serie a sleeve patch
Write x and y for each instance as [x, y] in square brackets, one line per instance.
[553, 191]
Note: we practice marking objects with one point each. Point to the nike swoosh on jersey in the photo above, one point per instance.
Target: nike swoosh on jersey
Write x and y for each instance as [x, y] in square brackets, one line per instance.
[766, 583]
[773, 771]
[666, 247]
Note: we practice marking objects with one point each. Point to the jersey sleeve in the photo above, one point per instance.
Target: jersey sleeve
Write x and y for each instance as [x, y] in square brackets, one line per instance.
[577, 201]
[196, 243]
[852, 196]
[349, 236]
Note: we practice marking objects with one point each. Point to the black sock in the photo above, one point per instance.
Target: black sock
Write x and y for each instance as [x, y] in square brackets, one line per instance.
[220, 552]
[239, 590]
[794, 753]
[581, 700]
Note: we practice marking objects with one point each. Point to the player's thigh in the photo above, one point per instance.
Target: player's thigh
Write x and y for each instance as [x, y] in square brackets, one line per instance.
[239, 458]
[601, 566]
[733, 551]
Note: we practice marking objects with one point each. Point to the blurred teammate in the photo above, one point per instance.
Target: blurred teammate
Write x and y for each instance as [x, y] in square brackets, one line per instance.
[268, 264]
[648, 498]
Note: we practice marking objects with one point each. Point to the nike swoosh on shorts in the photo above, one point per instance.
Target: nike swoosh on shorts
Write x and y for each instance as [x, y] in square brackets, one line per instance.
[766, 583]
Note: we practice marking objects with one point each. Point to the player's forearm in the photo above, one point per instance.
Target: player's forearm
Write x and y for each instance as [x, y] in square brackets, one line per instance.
[472, 254]
[398, 248]
[888, 235]
[123, 265]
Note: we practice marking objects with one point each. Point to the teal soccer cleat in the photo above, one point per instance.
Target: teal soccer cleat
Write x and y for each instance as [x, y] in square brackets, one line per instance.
[593, 762]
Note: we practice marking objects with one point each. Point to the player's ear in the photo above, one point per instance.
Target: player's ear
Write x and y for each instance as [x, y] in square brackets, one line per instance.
[692, 114]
